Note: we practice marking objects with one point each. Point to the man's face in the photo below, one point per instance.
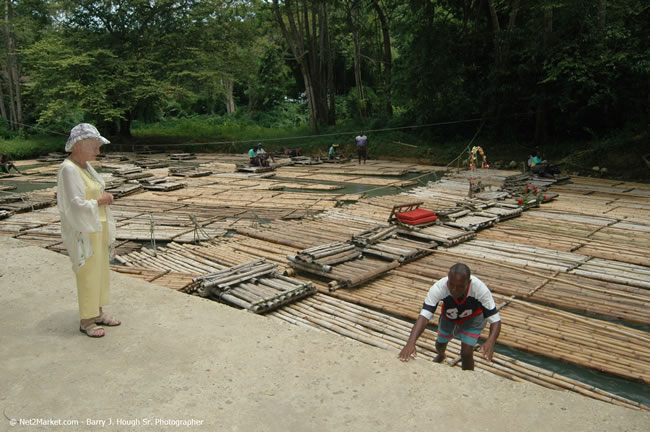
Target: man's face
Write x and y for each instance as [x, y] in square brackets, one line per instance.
[457, 284]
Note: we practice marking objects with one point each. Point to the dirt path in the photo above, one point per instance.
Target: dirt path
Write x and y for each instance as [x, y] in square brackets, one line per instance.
[183, 359]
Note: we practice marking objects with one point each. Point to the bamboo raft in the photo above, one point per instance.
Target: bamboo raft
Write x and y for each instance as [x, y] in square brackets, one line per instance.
[364, 325]
[382, 242]
[151, 163]
[188, 172]
[125, 189]
[182, 156]
[442, 234]
[26, 202]
[134, 173]
[516, 183]
[163, 186]
[254, 285]
[166, 278]
[305, 160]
[472, 221]
[4, 213]
[342, 263]
[255, 169]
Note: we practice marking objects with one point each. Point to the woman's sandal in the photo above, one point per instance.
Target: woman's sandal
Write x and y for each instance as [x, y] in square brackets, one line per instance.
[106, 320]
[92, 330]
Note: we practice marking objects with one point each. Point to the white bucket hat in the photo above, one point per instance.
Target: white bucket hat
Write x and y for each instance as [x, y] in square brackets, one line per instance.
[81, 132]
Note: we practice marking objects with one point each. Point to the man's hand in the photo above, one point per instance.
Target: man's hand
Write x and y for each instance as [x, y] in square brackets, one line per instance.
[407, 352]
[487, 349]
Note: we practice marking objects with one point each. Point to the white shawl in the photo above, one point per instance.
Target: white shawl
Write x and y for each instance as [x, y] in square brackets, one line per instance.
[79, 216]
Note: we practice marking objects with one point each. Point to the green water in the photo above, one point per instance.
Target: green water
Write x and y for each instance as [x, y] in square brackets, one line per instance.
[22, 187]
[369, 190]
[634, 390]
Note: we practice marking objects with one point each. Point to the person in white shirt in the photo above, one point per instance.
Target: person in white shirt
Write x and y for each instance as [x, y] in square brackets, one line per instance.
[467, 305]
[362, 146]
[87, 226]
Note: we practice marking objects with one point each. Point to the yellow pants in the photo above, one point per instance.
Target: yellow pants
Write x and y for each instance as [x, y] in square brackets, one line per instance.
[93, 277]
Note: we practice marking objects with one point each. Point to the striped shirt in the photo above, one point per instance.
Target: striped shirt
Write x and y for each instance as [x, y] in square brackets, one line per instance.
[478, 300]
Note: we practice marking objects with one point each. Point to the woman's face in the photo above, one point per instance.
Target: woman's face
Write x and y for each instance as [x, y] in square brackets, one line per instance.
[86, 150]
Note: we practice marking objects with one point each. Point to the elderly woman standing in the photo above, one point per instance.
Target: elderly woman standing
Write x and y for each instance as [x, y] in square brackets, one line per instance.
[87, 226]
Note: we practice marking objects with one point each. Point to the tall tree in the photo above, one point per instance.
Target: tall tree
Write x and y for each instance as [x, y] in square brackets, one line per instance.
[303, 25]
[387, 56]
[11, 73]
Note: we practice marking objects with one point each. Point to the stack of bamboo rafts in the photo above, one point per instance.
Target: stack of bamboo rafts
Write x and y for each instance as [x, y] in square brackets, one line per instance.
[182, 156]
[125, 189]
[373, 235]
[132, 173]
[255, 285]
[359, 323]
[341, 263]
[160, 184]
[518, 182]
[151, 163]
[382, 242]
[441, 234]
[321, 259]
[25, 202]
[188, 172]
[491, 207]
[468, 220]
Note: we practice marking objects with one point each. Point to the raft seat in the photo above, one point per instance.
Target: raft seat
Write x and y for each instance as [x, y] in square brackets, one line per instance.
[416, 217]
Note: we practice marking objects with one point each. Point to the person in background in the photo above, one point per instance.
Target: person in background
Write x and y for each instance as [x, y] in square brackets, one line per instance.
[263, 156]
[333, 152]
[87, 226]
[539, 166]
[467, 305]
[252, 157]
[362, 146]
[6, 164]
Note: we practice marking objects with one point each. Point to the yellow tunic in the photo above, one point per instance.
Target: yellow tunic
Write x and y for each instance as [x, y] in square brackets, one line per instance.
[93, 277]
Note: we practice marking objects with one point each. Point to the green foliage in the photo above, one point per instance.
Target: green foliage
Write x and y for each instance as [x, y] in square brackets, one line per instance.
[164, 65]
[33, 146]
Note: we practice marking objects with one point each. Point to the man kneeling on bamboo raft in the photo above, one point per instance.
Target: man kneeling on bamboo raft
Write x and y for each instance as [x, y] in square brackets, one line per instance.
[467, 305]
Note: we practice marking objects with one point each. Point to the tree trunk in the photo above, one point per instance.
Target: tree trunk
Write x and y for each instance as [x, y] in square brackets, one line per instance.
[12, 72]
[388, 58]
[295, 37]
[541, 127]
[355, 24]
[331, 90]
[8, 70]
[228, 85]
[602, 16]
[3, 109]
[252, 100]
[125, 125]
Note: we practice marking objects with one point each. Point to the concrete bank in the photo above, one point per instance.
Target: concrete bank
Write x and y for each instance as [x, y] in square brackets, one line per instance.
[182, 362]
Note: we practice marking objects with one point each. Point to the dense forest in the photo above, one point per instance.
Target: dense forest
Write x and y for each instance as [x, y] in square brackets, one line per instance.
[538, 71]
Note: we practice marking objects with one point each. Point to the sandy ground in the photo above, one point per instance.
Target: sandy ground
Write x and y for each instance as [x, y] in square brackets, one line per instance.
[185, 359]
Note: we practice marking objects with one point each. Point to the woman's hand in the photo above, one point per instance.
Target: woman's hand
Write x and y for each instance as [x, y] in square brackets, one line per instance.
[106, 199]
